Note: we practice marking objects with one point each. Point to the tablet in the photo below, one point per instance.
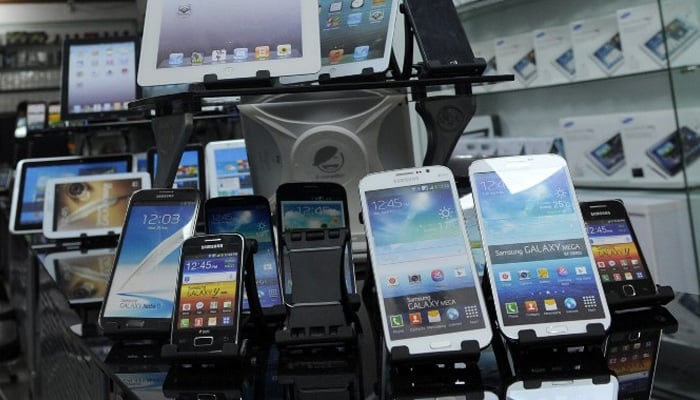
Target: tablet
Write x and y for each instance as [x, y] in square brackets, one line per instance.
[608, 156]
[228, 172]
[190, 171]
[81, 275]
[92, 205]
[355, 35]
[183, 41]
[27, 209]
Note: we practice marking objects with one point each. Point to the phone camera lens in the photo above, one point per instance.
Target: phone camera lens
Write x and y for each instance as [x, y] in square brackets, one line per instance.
[78, 190]
[427, 171]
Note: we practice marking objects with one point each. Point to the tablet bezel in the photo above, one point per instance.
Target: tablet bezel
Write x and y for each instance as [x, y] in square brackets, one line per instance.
[210, 158]
[150, 75]
[20, 178]
[378, 65]
[48, 227]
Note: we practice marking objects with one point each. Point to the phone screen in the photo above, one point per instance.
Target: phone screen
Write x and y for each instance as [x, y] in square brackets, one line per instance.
[617, 256]
[144, 385]
[36, 116]
[232, 172]
[144, 277]
[631, 356]
[536, 242]
[316, 214]
[609, 155]
[253, 222]
[208, 290]
[421, 261]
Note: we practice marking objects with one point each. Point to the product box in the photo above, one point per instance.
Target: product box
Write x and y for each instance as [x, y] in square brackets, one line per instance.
[516, 55]
[555, 55]
[594, 150]
[598, 52]
[654, 147]
[487, 51]
[641, 38]
[682, 32]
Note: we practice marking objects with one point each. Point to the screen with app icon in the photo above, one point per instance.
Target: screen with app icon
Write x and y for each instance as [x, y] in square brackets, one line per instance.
[537, 248]
[208, 291]
[232, 172]
[199, 33]
[616, 255]
[353, 30]
[101, 77]
[422, 261]
[632, 356]
[253, 223]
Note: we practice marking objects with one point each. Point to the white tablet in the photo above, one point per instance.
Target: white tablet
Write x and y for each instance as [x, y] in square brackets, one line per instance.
[91, 205]
[185, 40]
[27, 209]
[355, 35]
[81, 276]
[228, 172]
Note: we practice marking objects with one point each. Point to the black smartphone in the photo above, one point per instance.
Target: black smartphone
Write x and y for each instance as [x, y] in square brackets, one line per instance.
[251, 217]
[632, 355]
[312, 205]
[143, 280]
[621, 264]
[440, 36]
[208, 298]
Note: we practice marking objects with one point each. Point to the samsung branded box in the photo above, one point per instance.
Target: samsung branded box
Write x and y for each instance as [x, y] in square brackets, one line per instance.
[516, 55]
[598, 51]
[555, 55]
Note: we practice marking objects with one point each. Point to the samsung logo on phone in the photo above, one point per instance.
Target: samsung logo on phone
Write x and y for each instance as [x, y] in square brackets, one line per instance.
[568, 124]
[165, 196]
[500, 42]
[600, 213]
[408, 179]
[625, 15]
[577, 26]
[628, 120]
[212, 246]
[540, 34]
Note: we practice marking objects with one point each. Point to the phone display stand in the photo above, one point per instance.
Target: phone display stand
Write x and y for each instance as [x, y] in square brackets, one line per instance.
[323, 312]
[595, 333]
[203, 382]
[230, 352]
[647, 318]
[322, 373]
[663, 295]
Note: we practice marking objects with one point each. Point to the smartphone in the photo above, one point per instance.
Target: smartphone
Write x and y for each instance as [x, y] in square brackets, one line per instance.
[540, 264]
[429, 293]
[608, 156]
[681, 147]
[609, 55]
[437, 28]
[312, 205]
[250, 216]
[574, 389]
[632, 355]
[526, 68]
[208, 299]
[36, 116]
[142, 284]
[54, 117]
[621, 264]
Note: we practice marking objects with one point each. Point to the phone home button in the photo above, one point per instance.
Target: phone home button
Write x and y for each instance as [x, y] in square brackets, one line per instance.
[557, 329]
[440, 345]
[202, 341]
[629, 291]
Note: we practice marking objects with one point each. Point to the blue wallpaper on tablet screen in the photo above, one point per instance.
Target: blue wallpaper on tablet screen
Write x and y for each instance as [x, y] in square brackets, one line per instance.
[422, 261]
[232, 172]
[536, 243]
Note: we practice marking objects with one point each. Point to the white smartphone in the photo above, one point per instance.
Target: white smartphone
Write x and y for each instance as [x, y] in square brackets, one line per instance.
[541, 267]
[227, 170]
[429, 293]
[574, 389]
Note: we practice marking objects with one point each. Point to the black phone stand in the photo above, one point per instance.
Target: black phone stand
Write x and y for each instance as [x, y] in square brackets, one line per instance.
[231, 352]
[323, 311]
[663, 295]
